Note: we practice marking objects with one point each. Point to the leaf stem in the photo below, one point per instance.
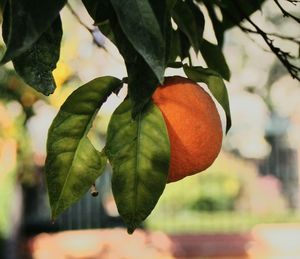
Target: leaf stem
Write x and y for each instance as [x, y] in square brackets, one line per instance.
[94, 191]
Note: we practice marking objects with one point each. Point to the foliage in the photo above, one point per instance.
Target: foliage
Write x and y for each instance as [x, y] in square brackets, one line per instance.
[143, 32]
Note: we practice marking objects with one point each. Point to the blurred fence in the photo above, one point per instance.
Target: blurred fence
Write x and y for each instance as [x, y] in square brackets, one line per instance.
[283, 163]
[90, 211]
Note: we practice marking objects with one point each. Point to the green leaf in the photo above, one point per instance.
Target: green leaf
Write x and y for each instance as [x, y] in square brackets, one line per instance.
[162, 10]
[188, 23]
[142, 81]
[184, 45]
[106, 30]
[72, 163]
[175, 65]
[36, 64]
[217, 25]
[2, 4]
[98, 10]
[231, 10]
[141, 84]
[174, 49]
[24, 22]
[215, 84]
[139, 151]
[141, 27]
[199, 18]
[215, 59]
[101, 12]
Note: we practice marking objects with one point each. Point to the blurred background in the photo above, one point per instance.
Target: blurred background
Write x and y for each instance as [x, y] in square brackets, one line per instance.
[247, 205]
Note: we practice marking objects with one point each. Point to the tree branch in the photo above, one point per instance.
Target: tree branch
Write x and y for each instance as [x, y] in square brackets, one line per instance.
[283, 56]
[285, 13]
[294, 2]
[288, 38]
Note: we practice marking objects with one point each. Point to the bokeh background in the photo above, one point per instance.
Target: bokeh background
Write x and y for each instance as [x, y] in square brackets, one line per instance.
[247, 205]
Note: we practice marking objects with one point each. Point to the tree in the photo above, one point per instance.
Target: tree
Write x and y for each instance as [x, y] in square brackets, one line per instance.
[145, 34]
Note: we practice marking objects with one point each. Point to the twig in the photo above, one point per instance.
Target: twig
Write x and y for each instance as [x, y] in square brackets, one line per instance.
[247, 31]
[281, 55]
[285, 13]
[294, 2]
[288, 38]
[94, 32]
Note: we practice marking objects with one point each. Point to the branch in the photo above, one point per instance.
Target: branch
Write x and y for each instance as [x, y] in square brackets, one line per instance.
[286, 13]
[294, 2]
[247, 31]
[281, 55]
[94, 32]
[288, 38]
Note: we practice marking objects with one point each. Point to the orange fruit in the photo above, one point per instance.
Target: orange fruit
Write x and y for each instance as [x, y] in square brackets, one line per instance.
[193, 124]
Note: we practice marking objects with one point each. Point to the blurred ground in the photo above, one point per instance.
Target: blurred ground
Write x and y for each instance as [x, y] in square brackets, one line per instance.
[264, 242]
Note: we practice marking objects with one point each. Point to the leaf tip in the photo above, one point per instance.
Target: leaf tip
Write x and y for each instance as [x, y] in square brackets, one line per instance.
[47, 88]
[130, 230]
[228, 124]
[227, 75]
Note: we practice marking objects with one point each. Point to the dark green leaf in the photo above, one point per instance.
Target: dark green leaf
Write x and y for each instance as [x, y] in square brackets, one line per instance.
[215, 59]
[174, 49]
[141, 27]
[217, 25]
[184, 45]
[199, 18]
[175, 65]
[231, 10]
[72, 163]
[25, 21]
[162, 10]
[98, 10]
[141, 84]
[187, 23]
[2, 4]
[139, 151]
[36, 64]
[215, 84]
[142, 81]
[101, 12]
[106, 30]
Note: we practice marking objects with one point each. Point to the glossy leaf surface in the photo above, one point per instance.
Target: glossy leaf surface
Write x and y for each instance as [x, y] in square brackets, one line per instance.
[215, 59]
[187, 23]
[72, 163]
[25, 21]
[139, 152]
[142, 29]
[36, 64]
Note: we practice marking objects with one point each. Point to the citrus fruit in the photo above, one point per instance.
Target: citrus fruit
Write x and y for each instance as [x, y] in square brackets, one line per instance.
[193, 124]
